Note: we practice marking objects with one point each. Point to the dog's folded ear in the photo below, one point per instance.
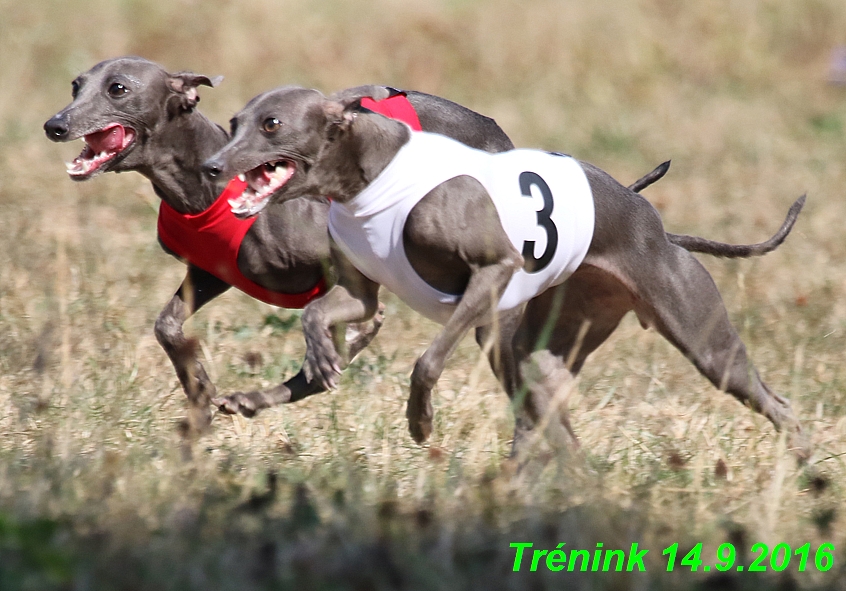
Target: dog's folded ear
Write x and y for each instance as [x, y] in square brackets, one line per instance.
[377, 93]
[184, 85]
[340, 114]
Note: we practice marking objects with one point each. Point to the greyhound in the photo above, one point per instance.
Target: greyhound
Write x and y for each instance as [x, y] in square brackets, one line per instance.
[460, 253]
[134, 115]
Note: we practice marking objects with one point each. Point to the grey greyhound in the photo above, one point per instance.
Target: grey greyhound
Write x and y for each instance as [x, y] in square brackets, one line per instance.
[134, 115]
[457, 246]
[152, 126]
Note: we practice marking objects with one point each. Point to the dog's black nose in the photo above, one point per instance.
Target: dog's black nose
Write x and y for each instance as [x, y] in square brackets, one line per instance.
[56, 128]
[213, 168]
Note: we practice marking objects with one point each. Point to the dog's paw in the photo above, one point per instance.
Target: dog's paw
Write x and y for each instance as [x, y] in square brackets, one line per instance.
[420, 430]
[359, 335]
[240, 403]
[322, 363]
[799, 443]
[323, 368]
[419, 414]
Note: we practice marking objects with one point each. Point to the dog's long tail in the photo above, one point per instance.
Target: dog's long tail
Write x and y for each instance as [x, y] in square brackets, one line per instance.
[647, 179]
[721, 249]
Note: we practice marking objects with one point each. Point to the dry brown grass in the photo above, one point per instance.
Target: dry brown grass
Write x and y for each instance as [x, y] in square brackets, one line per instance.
[734, 92]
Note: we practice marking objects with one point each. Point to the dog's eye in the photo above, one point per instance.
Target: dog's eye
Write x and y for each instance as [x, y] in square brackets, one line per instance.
[74, 88]
[117, 90]
[271, 124]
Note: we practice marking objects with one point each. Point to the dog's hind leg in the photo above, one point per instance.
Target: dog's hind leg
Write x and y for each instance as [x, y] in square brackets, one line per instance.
[250, 403]
[560, 328]
[546, 383]
[197, 289]
[674, 293]
[353, 299]
[496, 339]
[679, 299]
[356, 336]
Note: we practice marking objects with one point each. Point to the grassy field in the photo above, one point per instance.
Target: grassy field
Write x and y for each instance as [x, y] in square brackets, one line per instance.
[98, 491]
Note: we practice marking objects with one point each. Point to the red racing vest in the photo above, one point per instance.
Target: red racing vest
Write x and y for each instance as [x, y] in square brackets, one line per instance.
[211, 239]
[396, 107]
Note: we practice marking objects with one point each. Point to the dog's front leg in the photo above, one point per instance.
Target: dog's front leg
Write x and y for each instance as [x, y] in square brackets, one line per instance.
[197, 289]
[301, 385]
[353, 299]
[477, 306]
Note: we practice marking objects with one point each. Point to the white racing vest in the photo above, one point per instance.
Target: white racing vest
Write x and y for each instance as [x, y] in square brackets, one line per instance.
[543, 200]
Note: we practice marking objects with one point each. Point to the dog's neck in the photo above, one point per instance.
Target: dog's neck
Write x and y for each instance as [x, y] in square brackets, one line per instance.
[174, 154]
[354, 160]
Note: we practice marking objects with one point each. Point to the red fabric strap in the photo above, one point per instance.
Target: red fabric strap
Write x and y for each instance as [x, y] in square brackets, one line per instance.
[396, 107]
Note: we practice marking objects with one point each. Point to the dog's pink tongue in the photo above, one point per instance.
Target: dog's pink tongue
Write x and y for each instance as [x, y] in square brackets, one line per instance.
[108, 140]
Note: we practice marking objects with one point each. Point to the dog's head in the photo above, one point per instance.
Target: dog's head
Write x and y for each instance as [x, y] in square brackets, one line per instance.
[291, 141]
[118, 105]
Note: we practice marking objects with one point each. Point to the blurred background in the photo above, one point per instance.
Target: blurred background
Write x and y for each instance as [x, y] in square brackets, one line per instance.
[98, 490]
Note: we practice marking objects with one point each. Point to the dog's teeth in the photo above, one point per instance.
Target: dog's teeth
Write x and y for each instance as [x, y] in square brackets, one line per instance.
[242, 177]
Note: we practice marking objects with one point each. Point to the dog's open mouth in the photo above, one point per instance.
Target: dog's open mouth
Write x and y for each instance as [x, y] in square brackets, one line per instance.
[262, 182]
[101, 147]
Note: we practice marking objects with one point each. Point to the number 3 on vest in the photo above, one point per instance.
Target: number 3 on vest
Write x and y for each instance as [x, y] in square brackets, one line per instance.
[534, 264]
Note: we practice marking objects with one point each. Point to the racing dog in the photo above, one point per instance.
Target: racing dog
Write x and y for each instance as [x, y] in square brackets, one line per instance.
[134, 115]
[556, 247]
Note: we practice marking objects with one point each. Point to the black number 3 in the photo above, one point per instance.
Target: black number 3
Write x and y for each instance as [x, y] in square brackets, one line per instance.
[532, 264]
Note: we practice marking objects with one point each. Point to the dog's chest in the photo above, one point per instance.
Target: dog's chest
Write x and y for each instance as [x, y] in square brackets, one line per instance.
[543, 202]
